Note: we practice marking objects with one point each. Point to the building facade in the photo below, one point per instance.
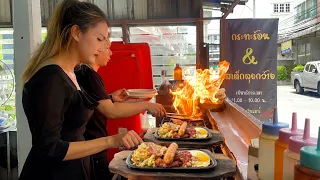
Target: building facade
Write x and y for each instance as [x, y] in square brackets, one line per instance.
[303, 33]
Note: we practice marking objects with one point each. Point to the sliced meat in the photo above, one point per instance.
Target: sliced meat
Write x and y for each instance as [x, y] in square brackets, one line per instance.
[186, 136]
[176, 135]
[176, 164]
[191, 132]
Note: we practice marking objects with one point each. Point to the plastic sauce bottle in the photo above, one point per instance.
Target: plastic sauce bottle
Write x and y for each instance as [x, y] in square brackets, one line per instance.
[309, 165]
[282, 144]
[292, 154]
[267, 139]
[177, 75]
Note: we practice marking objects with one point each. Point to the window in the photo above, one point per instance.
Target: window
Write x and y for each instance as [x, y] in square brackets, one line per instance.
[168, 45]
[305, 10]
[287, 7]
[275, 8]
[311, 8]
[312, 68]
[307, 67]
[281, 8]
[214, 56]
[6, 59]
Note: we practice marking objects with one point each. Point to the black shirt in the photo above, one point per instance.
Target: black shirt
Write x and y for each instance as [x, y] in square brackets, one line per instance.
[91, 81]
[57, 114]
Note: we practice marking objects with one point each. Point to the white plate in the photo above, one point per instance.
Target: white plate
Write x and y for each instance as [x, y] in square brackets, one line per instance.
[142, 91]
[143, 95]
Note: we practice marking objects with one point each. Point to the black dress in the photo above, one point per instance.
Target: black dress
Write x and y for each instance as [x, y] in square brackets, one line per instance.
[92, 83]
[57, 114]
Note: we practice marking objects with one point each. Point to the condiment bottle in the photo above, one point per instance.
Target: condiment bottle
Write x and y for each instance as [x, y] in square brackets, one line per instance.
[309, 165]
[282, 144]
[177, 75]
[292, 154]
[165, 85]
[267, 139]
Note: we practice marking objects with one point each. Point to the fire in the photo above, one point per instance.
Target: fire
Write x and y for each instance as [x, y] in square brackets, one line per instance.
[200, 89]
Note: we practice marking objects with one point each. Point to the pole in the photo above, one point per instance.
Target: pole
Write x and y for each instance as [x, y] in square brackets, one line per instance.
[27, 34]
[254, 8]
[223, 38]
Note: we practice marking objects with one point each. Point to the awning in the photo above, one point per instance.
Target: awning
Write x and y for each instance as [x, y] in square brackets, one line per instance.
[309, 30]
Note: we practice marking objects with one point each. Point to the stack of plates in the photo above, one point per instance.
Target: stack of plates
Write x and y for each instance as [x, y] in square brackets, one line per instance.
[142, 93]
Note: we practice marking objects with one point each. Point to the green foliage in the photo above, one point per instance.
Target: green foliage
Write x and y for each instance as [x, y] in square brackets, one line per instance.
[290, 69]
[299, 68]
[282, 73]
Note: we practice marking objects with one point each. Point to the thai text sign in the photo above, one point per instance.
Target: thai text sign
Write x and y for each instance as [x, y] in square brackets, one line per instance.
[286, 47]
[252, 52]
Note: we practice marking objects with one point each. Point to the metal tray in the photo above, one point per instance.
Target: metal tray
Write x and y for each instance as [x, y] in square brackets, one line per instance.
[156, 135]
[212, 165]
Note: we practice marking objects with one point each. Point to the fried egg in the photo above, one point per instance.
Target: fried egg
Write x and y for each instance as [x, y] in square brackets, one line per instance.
[199, 158]
[201, 133]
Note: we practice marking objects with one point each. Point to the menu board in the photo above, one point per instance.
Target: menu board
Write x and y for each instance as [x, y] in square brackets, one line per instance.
[251, 81]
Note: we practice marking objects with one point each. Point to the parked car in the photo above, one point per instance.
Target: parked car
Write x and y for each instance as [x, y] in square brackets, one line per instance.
[308, 79]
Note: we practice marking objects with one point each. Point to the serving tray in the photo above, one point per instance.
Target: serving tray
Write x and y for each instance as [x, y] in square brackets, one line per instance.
[156, 134]
[213, 164]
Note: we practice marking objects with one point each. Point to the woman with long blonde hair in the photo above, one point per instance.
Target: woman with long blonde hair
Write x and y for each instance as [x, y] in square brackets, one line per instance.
[56, 107]
[90, 80]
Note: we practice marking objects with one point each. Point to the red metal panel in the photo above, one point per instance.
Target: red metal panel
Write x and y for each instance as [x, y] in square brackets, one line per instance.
[129, 67]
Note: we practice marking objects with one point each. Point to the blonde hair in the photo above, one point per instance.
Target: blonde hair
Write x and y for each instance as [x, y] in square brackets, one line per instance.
[68, 13]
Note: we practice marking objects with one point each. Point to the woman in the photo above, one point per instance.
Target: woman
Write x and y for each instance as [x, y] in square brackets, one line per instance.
[56, 107]
[90, 80]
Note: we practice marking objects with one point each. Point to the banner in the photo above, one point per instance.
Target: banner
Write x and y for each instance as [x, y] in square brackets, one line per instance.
[251, 81]
[286, 47]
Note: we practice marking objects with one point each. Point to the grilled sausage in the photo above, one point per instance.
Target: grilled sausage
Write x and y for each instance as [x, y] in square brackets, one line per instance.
[177, 121]
[182, 129]
[171, 152]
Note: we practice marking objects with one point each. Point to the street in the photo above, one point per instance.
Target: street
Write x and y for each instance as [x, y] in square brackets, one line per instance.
[306, 106]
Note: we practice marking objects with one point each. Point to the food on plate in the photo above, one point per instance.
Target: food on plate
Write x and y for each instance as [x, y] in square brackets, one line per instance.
[201, 132]
[171, 151]
[149, 154]
[167, 130]
[146, 154]
[199, 158]
[182, 129]
[177, 121]
[172, 130]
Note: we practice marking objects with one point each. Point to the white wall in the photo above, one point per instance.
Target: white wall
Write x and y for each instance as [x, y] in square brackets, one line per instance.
[27, 34]
[264, 9]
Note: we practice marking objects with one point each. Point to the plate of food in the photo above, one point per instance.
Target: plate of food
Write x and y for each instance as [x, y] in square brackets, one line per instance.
[172, 131]
[142, 93]
[150, 156]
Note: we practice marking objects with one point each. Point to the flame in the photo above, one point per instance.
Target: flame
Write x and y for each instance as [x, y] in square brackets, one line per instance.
[200, 89]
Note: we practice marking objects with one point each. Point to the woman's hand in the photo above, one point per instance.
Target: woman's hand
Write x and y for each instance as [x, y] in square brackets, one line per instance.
[157, 110]
[129, 139]
[120, 95]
